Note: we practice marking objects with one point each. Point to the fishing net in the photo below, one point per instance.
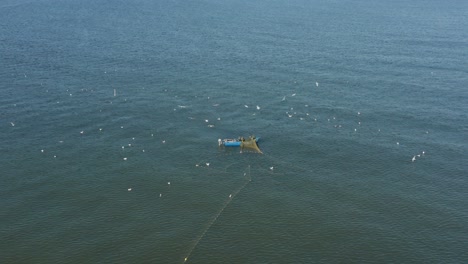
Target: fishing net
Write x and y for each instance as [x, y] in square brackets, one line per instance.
[250, 144]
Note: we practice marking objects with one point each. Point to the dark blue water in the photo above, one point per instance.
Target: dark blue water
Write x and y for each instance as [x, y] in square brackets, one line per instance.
[361, 106]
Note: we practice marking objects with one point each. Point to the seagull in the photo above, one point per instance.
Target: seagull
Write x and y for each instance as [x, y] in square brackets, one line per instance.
[124, 158]
[129, 189]
[42, 150]
[284, 98]
[271, 168]
[160, 195]
[413, 159]
[316, 84]
[258, 107]
[207, 164]
[164, 141]
[82, 132]
[168, 183]
[12, 124]
[246, 106]
[293, 94]
[206, 120]
[230, 195]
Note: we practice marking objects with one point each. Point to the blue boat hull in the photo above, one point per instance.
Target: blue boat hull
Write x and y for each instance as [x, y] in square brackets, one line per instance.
[232, 144]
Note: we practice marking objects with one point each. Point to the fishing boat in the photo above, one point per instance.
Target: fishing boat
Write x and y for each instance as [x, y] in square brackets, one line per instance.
[229, 142]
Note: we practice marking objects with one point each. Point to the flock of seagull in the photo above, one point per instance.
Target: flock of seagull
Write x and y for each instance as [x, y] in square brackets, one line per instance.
[290, 114]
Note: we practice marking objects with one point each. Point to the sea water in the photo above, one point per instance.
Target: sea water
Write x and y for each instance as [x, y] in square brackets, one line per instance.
[361, 107]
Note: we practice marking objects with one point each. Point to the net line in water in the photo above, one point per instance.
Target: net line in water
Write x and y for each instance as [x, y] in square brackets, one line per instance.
[231, 197]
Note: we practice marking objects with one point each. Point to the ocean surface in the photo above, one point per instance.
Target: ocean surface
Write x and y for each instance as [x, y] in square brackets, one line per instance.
[110, 112]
